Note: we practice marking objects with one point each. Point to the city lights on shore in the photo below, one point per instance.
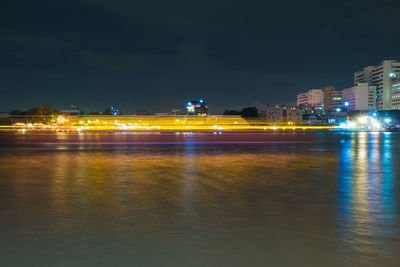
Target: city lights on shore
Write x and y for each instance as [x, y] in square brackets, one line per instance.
[156, 123]
[365, 123]
[187, 123]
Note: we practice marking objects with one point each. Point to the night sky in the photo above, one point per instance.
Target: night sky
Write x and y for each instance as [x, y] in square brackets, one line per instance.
[155, 55]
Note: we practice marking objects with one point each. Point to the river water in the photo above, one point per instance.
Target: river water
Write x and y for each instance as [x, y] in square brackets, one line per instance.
[316, 199]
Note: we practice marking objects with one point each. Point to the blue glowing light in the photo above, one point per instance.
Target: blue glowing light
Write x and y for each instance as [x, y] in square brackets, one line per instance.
[346, 103]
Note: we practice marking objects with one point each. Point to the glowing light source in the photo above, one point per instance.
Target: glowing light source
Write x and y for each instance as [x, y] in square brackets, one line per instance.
[363, 120]
[145, 123]
[376, 125]
[351, 125]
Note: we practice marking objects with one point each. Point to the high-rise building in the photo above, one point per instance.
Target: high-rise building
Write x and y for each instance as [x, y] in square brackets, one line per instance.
[395, 89]
[336, 99]
[359, 97]
[302, 99]
[313, 98]
[380, 77]
[332, 97]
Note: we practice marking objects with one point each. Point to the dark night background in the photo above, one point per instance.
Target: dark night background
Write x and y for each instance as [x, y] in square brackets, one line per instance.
[155, 55]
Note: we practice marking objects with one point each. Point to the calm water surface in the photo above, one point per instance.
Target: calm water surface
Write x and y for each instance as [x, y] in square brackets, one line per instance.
[200, 200]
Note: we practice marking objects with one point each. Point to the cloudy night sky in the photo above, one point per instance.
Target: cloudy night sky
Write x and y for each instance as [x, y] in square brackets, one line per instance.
[155, 55]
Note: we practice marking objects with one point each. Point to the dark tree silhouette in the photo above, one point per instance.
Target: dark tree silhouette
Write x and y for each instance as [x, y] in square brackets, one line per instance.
[249, 112]
[232, 112]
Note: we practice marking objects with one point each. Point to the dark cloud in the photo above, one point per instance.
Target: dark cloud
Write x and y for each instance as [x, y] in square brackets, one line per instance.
[156, 54]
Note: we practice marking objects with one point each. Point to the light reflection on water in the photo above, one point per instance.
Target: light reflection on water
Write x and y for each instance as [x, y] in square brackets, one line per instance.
[368, 217]
[309, 200]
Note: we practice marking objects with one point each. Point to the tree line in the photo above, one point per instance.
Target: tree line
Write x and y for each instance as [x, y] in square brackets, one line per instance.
[39, 110]
[45, 110]
[249, 112]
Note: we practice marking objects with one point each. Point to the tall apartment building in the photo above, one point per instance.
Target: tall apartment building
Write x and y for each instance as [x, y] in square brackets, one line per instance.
[336, 99]
[332, 97]
[395, 89]
[360, 97]
[380, 76]
[313, 97]
[302, 99]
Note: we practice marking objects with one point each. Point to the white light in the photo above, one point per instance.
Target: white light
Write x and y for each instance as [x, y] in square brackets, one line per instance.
[351, 125]
[363, 120]
[377, 125]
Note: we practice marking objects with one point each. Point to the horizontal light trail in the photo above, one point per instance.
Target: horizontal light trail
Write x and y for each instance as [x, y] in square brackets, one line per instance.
[148, 124]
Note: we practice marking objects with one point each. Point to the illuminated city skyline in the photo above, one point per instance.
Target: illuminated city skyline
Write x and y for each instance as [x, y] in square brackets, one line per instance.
[156, 56]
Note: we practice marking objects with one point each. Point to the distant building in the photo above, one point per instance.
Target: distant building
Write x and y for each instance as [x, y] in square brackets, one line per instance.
[335, 99]
[332, 97]
[196, 108]
[313, 98]
[283, 114]
[380, 77]
[274, 114]
[359, 97]
[112, 110]
[175, 111]
[395, 89]
[310, 113]
[302, 99]
[294, 115]
[336, 115]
